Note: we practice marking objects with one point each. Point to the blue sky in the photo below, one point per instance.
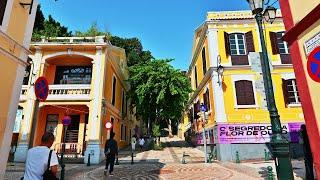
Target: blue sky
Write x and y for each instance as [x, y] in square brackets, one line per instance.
[165, 27]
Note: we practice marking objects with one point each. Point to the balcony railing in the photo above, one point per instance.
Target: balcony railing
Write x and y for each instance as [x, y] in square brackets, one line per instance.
[69, 92]
[72, 40]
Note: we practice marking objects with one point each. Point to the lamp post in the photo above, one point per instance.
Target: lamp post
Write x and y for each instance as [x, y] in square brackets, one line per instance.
[279, 144]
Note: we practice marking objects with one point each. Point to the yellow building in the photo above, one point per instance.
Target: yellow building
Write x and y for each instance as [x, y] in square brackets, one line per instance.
[87, 82]
[14, 49]
[225, 73]
[302, 22]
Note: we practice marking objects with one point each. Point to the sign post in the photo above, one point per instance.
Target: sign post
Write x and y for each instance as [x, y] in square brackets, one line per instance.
[66, 121]
[41, 89]
[204, 109]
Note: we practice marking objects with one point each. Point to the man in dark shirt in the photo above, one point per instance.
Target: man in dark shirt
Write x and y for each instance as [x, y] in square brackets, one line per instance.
[110, 151]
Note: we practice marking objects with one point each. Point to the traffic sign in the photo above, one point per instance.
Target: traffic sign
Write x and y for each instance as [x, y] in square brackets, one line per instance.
[66, 121]
[41, 88]
[313, 64]
[203, 107]
[108, 125]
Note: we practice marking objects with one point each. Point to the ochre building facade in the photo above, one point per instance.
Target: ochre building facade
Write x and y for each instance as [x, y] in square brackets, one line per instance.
[225, 73]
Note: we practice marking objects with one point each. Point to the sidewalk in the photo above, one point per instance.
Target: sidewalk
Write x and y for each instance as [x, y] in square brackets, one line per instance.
[258, 169]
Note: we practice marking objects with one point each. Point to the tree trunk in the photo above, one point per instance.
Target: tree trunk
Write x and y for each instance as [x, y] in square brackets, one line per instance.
[170, 128]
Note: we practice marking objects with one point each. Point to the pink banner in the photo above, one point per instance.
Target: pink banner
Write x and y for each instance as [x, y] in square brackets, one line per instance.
[254, 133]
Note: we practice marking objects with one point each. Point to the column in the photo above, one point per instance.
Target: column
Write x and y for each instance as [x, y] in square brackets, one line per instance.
[213, 47]
[22, 147]
[219, 106]
[97, 86]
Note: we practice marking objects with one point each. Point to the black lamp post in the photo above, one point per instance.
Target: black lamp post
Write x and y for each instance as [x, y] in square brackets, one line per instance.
[279, 144]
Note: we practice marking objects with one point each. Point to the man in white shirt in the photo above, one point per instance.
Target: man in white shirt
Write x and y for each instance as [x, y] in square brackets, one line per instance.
[141, 143]
[37, 159]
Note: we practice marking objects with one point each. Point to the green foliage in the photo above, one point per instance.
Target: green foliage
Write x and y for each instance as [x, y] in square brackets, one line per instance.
[133, 48]
[48, 27]
[158, 90]
[92, 31]
[156, 130]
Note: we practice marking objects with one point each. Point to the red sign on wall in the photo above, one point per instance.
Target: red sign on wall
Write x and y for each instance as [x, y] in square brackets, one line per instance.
[314, 64]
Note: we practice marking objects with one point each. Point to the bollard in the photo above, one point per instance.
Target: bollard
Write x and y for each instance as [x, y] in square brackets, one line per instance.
[237, 157]
[266, 155]
[270, 173]
[183, 161]
[88, 163]
[132, 158]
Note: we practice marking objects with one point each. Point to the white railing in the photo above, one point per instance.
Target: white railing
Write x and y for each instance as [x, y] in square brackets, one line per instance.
[23, 94]
[74, 40]
[69, 92]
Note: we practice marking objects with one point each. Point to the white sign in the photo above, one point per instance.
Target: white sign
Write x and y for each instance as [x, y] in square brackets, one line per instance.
[255, 61]
[312, 43]
[259, 85]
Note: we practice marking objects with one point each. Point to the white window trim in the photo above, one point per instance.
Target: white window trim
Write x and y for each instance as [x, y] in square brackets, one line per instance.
[287, 76]
[294, 105]
[285, 44]
[248, 78]
[295, 91]
[237, 44]
[6, 16]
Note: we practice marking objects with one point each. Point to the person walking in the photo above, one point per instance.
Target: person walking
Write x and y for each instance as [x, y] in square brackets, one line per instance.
[111, 152]
[308, 159]
[141, 143]
[38, 158]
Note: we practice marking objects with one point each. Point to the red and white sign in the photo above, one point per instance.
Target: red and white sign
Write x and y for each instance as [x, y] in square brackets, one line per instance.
[108, 125]
[41, 88]
[313, 64]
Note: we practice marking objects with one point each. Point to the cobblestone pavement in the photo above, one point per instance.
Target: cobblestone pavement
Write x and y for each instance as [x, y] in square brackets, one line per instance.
[162, 165]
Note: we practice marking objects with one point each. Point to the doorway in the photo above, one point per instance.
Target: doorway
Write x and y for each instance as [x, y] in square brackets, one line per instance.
[73, 129]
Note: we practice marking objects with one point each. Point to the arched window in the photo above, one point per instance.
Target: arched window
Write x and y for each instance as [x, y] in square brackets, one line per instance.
[244, 92]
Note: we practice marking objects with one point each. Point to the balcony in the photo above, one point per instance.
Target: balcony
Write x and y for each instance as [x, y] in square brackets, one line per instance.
[69, 92]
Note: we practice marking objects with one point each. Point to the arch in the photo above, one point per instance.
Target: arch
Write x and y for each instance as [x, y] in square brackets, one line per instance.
[65, 53]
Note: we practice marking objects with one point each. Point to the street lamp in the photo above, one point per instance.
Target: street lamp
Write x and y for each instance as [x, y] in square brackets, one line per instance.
[269, 14]
[279, 144]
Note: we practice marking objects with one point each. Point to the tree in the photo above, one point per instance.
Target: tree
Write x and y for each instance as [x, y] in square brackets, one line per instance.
[133, 48]
[48, 27]
[92, 31]
[159, 91]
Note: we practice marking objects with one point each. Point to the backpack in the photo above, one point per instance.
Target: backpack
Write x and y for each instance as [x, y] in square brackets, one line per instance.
[48, 175]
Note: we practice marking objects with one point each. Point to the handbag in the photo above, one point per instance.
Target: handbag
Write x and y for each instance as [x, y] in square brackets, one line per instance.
[48, 175]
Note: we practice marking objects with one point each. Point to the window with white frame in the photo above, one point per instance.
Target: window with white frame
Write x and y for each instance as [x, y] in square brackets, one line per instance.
[282, 45]
[290, 91]
[237, 44]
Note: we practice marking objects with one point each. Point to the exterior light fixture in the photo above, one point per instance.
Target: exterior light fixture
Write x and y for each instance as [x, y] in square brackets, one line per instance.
[269, 14]
[256, 6]
[220, 70]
